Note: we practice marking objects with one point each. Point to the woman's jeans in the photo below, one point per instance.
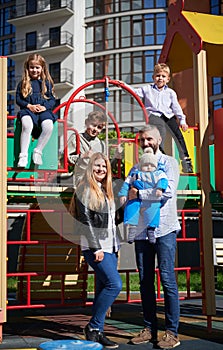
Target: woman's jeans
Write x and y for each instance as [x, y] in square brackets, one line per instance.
[165, 248]
[108, 286]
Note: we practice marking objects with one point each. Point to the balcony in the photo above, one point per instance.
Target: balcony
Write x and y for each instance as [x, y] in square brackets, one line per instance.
[48, 45]
[32, 10]
[62, 81]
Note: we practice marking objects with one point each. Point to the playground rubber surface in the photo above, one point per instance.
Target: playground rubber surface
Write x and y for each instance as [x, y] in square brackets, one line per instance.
[27, 329]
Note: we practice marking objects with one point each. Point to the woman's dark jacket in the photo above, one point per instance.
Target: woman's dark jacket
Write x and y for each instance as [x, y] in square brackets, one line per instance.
[95, 223]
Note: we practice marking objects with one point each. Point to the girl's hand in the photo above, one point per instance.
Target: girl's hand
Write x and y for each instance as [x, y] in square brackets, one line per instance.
[40, 108]
[36, 108]
[32, 108]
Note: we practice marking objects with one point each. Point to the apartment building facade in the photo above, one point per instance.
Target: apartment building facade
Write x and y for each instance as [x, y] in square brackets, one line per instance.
[87, 40]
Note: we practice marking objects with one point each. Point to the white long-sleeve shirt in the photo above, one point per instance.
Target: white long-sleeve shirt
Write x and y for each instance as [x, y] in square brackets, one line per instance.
[160, 102]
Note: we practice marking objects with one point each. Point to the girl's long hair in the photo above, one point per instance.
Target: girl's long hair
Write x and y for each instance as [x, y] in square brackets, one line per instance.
[89, 188]
[26, 88]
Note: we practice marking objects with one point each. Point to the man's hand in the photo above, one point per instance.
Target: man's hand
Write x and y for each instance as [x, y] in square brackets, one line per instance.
[133, 193]
[159, 192]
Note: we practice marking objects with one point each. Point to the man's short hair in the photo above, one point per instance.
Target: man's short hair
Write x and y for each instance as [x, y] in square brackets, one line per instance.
[96, 116]
[149, 127]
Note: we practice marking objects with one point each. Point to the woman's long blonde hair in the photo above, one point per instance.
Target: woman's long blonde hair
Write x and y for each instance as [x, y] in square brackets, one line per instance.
[26, 88]
[88, 185]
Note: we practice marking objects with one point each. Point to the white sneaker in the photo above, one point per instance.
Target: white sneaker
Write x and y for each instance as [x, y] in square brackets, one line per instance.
[23, 160]
[37, 157]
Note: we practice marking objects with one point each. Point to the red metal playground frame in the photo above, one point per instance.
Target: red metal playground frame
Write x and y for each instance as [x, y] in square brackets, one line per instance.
[27, 275]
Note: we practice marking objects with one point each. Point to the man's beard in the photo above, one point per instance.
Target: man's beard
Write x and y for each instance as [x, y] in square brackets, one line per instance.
[154, 147]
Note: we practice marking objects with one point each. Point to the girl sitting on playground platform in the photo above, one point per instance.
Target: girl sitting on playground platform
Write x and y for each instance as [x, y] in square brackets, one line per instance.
[36, 99]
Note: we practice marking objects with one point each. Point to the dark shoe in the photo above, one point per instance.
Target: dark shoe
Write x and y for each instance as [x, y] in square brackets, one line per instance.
[91, 334]
[99, 337]
[187, 166]
[168, 341]
[103, 340]
[144, 336]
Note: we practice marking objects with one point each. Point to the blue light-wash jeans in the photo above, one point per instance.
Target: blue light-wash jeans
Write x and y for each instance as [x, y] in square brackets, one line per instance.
[108, 286]
[165, 248]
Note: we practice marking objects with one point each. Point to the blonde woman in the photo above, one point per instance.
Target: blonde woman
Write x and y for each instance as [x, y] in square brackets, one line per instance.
[95, 210]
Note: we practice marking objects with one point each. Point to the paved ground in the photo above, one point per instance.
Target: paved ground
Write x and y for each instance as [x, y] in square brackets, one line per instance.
[28, 329]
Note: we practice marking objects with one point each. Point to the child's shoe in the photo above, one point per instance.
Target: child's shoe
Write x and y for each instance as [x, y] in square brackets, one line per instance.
[23, 160]
[37, 157]
[187, 166]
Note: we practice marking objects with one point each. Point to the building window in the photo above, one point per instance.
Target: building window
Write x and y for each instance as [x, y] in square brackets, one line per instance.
[31, 7]
[132, 30]
[55, 4]
[31, 39]
[215, 7]
[217, 85]
[217, 104]
[133, 68]
[98, 67]
[217, 89]
[54, 69]
[55, 36]
[101, 7]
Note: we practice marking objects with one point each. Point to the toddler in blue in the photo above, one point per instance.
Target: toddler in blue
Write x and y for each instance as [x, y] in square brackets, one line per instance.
[148, 174]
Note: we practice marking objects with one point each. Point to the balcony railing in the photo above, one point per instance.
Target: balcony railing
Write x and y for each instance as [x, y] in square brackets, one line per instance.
[34, 7]
[65, 77]
[42, 42]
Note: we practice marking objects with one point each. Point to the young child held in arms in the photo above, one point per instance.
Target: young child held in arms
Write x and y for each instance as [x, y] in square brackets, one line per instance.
[149, 174]
[36, 99]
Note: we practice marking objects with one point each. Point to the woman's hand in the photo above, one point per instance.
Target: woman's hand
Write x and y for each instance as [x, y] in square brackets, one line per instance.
[99, 256]
[88, 154]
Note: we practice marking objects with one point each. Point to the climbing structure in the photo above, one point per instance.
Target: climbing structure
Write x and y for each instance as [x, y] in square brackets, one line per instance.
[45, 256]
[195, 40]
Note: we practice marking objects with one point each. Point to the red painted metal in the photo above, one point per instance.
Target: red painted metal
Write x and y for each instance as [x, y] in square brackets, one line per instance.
[179, 24]
[29, 241]
[103, 81]
[127, 272]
